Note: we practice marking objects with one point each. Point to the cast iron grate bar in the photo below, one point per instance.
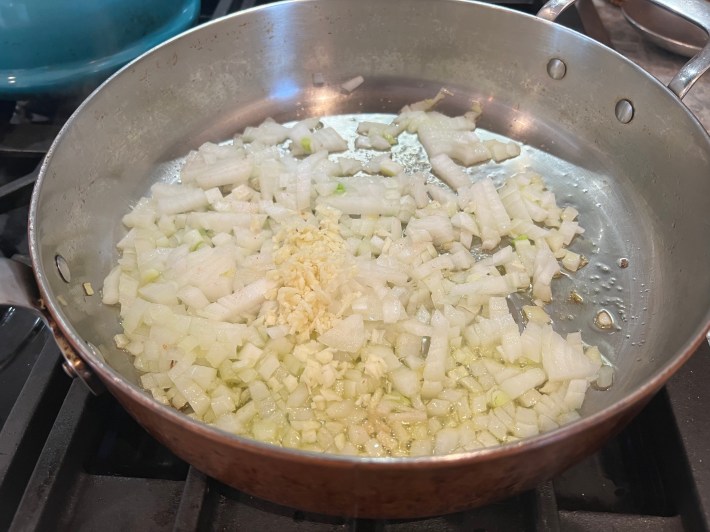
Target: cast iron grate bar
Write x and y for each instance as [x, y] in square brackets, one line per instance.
[17, 184]
[27, 426]
[593, 521]
[544, 507]
[56, 467]
[25, 327]
[223, 7]
[191, 502]
[221, 507]
[27, 140]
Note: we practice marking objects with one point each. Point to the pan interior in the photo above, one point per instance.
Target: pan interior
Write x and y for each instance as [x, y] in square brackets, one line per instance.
[639, 187]
[603, 284]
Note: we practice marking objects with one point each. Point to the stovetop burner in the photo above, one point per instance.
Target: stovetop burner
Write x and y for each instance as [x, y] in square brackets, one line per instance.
[72, 461]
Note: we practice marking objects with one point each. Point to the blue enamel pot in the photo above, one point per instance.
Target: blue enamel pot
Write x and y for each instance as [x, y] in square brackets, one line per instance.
[54, 46]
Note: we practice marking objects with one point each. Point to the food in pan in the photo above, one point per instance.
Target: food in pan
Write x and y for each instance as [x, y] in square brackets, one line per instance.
[315, 292]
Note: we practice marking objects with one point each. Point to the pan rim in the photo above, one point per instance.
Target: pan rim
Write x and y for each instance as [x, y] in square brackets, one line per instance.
[109, 374]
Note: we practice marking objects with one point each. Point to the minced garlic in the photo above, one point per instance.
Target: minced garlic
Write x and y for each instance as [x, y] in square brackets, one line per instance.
[309, 261]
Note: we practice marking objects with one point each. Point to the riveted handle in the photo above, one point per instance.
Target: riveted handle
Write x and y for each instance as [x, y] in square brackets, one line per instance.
[19, 289]
[695, 11]
[17, 286]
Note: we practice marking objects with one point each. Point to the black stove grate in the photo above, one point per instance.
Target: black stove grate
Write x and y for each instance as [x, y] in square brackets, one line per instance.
[72, 461]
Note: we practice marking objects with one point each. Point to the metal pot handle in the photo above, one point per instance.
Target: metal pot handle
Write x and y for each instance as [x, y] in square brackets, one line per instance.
[18, 288]
[695, 11]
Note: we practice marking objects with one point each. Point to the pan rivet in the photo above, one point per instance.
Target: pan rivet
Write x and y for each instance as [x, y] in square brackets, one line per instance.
[68, 369]
[556, 68]
[63, 268]
[624, 111]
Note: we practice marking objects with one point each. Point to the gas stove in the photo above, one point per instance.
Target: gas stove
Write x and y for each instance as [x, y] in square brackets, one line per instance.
[73, 461]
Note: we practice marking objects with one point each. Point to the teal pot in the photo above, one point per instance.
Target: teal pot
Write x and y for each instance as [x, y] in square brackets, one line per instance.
[49, 47]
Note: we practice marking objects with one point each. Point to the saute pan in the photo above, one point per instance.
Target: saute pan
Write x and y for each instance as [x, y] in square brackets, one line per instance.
[607, 136]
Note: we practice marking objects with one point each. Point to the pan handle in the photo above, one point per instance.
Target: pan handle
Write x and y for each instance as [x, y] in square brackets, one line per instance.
[18, 288]
[553, 9]
[695, 11]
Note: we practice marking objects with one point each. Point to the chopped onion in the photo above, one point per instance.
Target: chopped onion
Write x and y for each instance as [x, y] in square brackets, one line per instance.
[333, 304]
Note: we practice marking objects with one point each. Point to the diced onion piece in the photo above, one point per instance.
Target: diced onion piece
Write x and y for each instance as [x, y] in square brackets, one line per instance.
[346, 335]
[190, 199]
[517, 385]
[605, 377]
[449, 172]
[352, 84]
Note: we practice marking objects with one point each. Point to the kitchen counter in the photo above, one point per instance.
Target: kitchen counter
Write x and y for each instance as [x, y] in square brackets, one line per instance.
[657, 61]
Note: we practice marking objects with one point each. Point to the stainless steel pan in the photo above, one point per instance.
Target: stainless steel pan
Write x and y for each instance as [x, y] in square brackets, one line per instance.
[609, 138]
